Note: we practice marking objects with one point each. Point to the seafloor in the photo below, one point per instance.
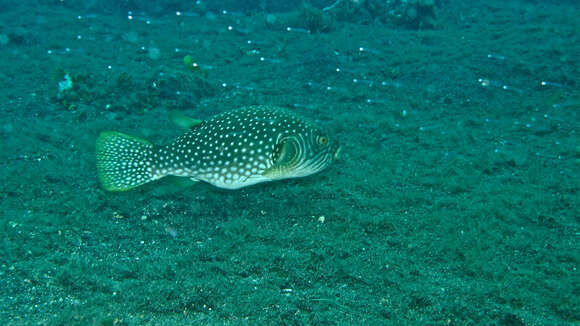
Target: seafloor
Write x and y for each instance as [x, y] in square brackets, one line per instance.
[455, 201]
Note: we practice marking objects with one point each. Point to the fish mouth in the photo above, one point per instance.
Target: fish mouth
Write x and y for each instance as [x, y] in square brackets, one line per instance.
[337, 153]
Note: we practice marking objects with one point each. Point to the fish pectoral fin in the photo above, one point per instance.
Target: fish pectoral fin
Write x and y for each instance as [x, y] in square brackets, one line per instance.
[184, 121]
[285, 153]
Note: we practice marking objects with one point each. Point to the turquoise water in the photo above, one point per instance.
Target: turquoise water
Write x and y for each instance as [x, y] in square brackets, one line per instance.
[454, 201]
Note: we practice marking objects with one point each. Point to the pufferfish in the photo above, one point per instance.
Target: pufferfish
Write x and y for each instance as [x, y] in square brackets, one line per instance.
[232, 150]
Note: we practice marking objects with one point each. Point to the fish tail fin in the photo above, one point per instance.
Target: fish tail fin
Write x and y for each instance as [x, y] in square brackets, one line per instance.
[124, 162]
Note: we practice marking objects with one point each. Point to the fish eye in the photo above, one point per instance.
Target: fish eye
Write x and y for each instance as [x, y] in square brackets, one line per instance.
[322, 140]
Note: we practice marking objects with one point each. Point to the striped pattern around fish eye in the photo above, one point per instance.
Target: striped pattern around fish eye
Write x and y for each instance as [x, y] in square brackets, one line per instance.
[318, 161]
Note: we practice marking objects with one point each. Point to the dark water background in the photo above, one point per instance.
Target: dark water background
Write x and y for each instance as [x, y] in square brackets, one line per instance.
[455, 201]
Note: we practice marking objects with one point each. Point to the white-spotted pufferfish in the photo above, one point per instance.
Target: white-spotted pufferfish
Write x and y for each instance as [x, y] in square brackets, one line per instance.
[232, 150]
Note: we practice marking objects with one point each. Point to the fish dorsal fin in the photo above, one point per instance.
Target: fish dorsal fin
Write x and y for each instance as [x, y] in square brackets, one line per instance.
[184, 121]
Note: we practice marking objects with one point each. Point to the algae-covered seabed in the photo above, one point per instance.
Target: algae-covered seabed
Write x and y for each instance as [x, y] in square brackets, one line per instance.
[452, 204]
